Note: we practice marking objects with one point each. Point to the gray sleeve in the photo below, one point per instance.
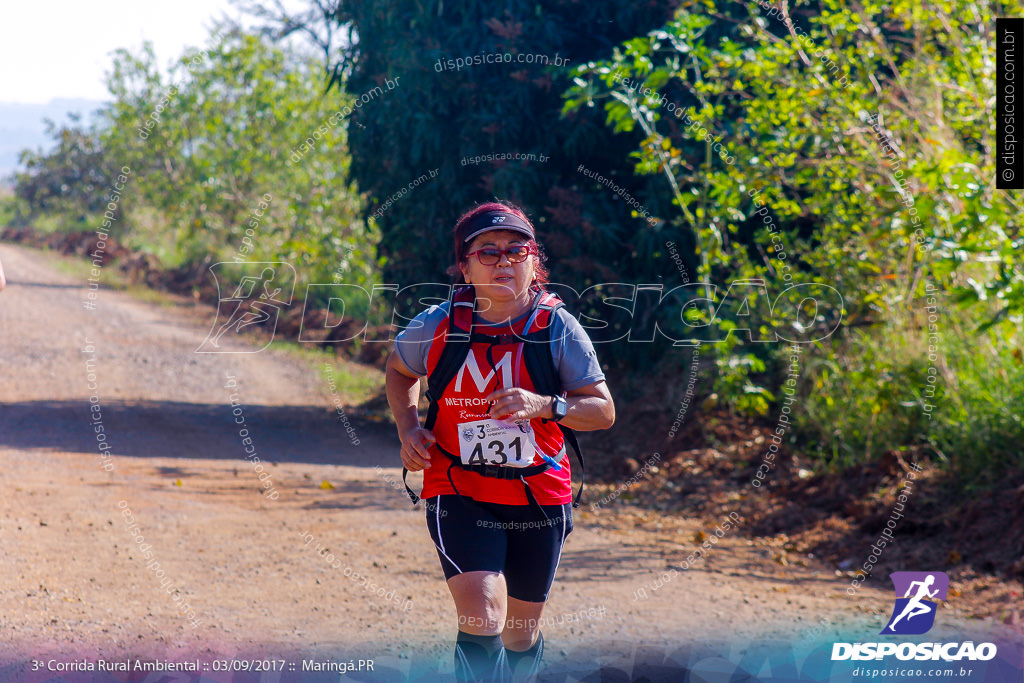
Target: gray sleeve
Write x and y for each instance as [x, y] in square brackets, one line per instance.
[413, 343]
[575, 358]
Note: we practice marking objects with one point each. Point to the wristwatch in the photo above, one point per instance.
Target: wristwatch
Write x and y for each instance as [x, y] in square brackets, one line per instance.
[559, 409]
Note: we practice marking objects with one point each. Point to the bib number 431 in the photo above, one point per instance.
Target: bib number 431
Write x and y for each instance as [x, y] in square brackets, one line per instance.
[494, 442]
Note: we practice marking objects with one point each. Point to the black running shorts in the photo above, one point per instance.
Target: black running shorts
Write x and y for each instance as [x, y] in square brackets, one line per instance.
[514, 540]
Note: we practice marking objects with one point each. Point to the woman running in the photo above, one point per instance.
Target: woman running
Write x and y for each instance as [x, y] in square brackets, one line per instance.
[507, 368]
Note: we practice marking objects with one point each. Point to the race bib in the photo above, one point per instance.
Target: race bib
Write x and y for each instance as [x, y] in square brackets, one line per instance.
[496, 442]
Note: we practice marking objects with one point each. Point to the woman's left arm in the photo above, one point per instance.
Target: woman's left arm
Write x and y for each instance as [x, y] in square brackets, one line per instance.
[590, 407]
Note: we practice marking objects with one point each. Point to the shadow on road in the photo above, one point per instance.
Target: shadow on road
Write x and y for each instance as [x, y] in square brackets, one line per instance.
[47, 285]
[167, 429]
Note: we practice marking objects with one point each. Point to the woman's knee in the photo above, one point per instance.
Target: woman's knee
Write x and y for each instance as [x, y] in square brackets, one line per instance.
[480, 600]
[520, 633]
[481, 624]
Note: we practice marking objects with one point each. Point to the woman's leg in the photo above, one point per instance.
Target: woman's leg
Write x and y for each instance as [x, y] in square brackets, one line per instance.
[480, 600]
[534, 549]
[522, 626]
[471, 547]
[523, 638]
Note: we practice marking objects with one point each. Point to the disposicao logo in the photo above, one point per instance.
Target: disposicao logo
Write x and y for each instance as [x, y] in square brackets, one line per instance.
[914, 614]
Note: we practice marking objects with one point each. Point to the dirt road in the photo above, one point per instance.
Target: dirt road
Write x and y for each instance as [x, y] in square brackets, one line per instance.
[76, 581]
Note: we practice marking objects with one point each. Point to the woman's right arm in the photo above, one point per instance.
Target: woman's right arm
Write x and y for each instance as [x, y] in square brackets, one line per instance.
[403, 390]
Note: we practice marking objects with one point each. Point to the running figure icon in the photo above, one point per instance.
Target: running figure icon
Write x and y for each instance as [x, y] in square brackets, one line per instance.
[916, 605]
[253, 301]
[256, 313]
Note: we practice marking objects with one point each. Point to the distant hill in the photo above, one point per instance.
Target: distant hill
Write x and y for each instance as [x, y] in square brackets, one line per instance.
[21, 127]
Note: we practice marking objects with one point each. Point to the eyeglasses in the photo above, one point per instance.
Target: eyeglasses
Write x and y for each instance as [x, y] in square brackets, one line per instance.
[490, 256]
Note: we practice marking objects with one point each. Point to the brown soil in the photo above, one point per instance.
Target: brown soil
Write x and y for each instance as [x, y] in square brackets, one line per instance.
[978, 540]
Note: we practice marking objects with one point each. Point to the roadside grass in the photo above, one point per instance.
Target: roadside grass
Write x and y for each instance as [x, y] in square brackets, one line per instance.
[873, 391]
[353, 383]
[110, 277]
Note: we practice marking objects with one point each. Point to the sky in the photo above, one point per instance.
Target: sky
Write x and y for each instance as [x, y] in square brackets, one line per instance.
[60, 50]
[55, 54]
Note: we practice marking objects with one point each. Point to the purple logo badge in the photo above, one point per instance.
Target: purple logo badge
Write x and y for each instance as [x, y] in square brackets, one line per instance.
[914, 611]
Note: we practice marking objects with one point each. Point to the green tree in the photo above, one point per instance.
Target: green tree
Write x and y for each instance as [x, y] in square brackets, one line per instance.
[232, 116]
[866, 131]
[833, 116]
[443, 113]
[71, 179]
[235, 155]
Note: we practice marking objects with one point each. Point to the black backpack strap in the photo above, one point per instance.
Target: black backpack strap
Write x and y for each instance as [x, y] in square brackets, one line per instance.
[456, 347]
[412, 494]
[541, 366]
[540, 363]
[501, 472]
[452, 358]
[532, 499]
[570, 437]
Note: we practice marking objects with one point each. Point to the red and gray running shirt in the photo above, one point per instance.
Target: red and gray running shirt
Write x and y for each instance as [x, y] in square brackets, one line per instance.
[465, 429]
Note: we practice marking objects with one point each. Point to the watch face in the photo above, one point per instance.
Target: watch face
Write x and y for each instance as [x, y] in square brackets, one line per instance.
[561, 407]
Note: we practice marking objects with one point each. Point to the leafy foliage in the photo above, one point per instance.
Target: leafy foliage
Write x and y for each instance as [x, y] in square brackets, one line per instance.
[866, 133]
[212, 149]
[70, 179]
[440, 115]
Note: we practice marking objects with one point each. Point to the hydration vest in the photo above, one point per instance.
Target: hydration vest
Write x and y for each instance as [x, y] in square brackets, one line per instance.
[534, 342]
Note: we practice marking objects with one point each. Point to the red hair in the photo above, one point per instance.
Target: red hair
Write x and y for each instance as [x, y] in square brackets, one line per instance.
[540, 270]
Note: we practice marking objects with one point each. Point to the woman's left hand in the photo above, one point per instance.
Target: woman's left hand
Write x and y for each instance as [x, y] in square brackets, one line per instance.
[518, 404]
